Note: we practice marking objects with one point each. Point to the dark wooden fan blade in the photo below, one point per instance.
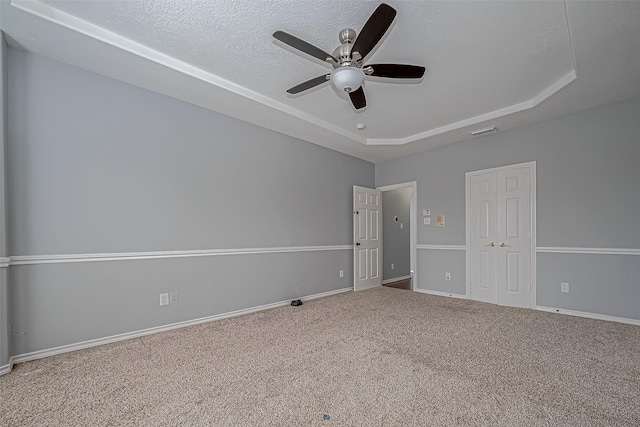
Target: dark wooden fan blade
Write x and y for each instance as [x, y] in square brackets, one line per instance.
[302, 45]
[358, 99]
[397, 71]
[378, 24]
[308, 84]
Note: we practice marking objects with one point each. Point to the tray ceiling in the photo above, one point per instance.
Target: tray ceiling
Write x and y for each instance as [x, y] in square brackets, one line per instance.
[488, 63]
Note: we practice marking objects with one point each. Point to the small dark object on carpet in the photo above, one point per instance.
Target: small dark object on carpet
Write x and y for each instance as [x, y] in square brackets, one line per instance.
[296, 302]
[326, 417]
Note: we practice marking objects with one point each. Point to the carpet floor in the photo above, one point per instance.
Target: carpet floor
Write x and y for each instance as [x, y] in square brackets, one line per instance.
[381, 357]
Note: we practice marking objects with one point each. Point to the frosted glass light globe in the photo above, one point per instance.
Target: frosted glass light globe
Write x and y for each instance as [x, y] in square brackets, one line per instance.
[347, 79]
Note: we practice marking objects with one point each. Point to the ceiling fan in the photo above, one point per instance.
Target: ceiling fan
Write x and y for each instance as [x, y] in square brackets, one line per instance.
[347, 59]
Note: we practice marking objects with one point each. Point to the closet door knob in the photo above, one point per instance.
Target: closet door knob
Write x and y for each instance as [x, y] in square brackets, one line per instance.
[491, 244]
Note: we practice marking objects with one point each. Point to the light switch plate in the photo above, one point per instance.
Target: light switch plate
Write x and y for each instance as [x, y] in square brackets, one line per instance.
[427, 221]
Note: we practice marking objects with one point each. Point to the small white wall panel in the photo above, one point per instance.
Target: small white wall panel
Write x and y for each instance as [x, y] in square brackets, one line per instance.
[513, 272]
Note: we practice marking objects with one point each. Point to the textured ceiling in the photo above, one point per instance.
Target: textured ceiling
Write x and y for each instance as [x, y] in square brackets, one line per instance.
[488, 63]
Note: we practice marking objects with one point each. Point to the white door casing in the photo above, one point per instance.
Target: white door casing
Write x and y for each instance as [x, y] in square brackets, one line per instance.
[501, 235]
[413, 203]
[367, 238]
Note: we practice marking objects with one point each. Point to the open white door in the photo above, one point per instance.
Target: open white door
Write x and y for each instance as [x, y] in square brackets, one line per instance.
[367, 238]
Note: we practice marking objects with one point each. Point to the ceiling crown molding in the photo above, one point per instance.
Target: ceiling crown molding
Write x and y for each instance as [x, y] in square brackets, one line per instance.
[61, 35]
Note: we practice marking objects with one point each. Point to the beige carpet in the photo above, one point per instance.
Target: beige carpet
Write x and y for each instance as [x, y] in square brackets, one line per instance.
[382, 357]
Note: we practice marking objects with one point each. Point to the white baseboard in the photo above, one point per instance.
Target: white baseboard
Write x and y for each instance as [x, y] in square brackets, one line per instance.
[441, 294]
[5, 369]
[135, 334]
[590, 315]
[396, 279]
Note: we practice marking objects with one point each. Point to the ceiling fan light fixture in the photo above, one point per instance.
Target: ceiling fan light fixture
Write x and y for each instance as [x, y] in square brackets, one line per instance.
[347, 79]
[348, 59]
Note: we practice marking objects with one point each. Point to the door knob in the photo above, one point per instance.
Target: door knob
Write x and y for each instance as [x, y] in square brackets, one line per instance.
[491, 244]
[358, 244]
[502, 245]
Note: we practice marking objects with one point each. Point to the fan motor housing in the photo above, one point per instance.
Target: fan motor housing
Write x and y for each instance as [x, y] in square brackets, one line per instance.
[343, 53]
[347, 36]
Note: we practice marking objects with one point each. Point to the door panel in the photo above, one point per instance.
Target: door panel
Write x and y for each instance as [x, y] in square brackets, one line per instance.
[484, 267]
[367, 238]
[483, 232]
[484, 216]
[374, 224]
[374, 272]
[512, 223]
[514, 248]
[361, 220]
[362, 264]
[513, 271]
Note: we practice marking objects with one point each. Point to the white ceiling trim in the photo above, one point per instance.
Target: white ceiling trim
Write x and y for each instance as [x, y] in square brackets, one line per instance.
[46, 12]
[516, 108]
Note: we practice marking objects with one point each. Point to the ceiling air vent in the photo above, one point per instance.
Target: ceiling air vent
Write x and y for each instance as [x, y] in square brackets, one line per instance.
[484, 131]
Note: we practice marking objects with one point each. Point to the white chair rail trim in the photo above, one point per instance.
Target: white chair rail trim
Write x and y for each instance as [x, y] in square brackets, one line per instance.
[127, 256]
[592, 251]
[549, 249]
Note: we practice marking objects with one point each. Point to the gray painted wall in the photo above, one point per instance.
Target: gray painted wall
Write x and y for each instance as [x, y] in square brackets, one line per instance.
[432, 265]
[5, 333]
[395, 250]
[96, 165]
[59, 304]
[101, 166]
[604, 284]
[587, 196]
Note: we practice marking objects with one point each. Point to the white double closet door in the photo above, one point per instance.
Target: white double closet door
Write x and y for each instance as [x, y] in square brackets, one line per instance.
[500, 235]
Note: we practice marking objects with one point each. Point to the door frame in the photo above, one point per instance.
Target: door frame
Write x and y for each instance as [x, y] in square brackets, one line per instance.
[413, 203]
[532, 223]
